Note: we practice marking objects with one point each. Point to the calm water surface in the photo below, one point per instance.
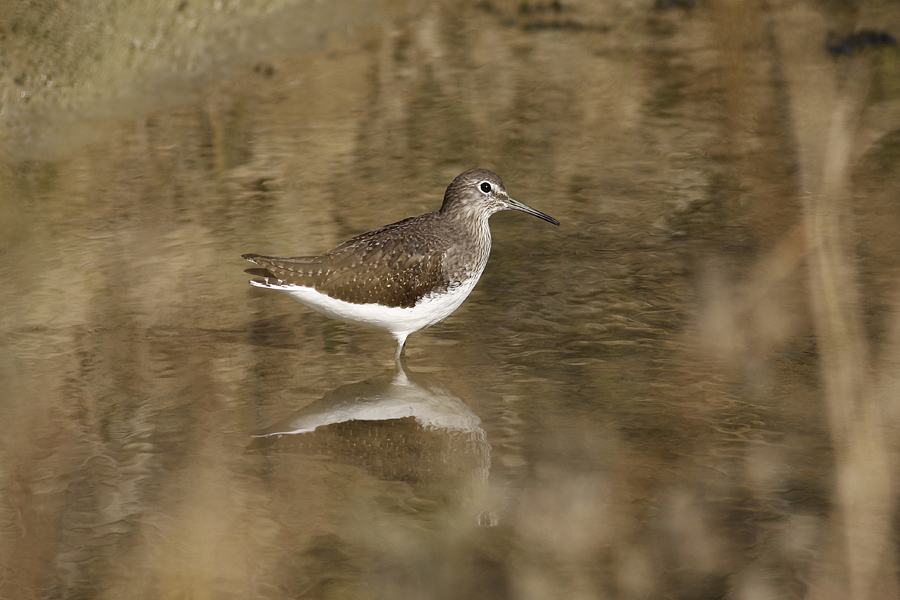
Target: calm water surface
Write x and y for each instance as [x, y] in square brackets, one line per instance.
[686, 390]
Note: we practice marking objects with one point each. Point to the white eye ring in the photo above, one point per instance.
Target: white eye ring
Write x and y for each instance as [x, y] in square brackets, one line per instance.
[485, 187]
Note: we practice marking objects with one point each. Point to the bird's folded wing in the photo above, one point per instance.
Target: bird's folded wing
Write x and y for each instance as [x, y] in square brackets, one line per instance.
[367, 269]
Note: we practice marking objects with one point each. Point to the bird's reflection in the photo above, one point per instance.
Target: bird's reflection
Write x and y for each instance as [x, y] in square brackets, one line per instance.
[398, 426]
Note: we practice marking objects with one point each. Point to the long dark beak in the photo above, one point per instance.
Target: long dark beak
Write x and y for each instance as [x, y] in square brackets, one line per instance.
[516, 205]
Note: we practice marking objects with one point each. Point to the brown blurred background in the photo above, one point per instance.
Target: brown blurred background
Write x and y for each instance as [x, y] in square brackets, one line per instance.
[689, 390]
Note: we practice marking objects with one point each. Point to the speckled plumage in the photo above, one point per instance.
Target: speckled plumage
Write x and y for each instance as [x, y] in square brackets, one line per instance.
[395, 265]
[417, 271]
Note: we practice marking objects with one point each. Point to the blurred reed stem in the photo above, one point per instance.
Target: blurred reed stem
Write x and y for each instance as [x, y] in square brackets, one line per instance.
[864, 497]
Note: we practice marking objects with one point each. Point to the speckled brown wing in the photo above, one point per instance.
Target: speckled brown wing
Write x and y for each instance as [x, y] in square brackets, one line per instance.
[395, 265]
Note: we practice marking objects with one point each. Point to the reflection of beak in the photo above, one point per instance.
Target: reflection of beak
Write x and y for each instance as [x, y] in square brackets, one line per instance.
[516, 205]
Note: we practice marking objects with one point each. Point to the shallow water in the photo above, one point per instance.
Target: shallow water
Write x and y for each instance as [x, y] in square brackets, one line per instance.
[686, 390]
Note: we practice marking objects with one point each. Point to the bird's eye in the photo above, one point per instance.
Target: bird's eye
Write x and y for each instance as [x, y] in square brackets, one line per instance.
[485, 187]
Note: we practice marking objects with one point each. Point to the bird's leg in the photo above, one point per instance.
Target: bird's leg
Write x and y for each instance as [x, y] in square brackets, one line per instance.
[401, 341]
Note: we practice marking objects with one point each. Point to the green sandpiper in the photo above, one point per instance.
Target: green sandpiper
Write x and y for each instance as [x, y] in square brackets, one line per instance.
[405, 276]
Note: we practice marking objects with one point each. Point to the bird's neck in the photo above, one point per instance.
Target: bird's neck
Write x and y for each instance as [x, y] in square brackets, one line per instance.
[473, 241]
[473, 223]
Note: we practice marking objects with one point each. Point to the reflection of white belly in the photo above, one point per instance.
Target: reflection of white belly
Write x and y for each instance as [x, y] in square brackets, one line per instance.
[427, 311]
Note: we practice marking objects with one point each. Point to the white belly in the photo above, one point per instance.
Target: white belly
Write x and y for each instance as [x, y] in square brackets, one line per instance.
[397, 320]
